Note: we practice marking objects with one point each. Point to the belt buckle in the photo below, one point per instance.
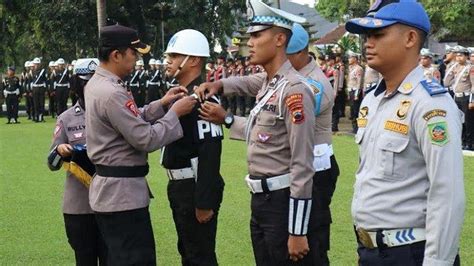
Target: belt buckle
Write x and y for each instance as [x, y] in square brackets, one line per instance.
[364, 238]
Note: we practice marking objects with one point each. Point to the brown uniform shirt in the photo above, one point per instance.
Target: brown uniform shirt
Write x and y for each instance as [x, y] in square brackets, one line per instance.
[354, 77]
[250, 85]
[120, 134]
[371, 76]
[461, 78]
[281, 145]
[71, 129]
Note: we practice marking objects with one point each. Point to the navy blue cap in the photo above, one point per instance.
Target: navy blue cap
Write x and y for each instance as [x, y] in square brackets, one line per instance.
[12, 68]
[407, 12]
[299, 39]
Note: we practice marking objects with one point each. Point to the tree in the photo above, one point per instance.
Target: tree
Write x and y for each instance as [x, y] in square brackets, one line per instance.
[339, 10]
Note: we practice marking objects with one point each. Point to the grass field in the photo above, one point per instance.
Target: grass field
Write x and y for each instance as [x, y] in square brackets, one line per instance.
[31, 224]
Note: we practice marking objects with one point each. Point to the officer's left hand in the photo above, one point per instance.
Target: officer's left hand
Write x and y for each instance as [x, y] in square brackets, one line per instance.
[471, 106]
[212, 112]
[173, 94]
[204, 216]
[297, 247]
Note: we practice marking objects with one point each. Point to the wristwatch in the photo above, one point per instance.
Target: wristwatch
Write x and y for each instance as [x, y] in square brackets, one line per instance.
[228, 119]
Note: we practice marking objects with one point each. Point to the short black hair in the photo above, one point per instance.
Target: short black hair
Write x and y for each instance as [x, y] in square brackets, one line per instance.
[287, 33]
[103, 52]
[423, 36]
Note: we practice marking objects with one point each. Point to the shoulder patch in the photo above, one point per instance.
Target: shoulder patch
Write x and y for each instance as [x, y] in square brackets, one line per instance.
[130, 104]
[294, 103]
[435, 112]
[433, 87]
[57, 129]
[438, 133]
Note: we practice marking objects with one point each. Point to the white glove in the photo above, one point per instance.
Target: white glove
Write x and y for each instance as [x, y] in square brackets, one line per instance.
[5, 93]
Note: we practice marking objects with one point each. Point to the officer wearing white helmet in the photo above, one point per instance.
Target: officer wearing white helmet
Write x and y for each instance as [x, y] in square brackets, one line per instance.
[154, 81]
[137, 83]
[68, 150]
[426, 61]
[61, 85]
[193, 162]
[52, 104]
[39, 83]
[25, 79]
[281, 143]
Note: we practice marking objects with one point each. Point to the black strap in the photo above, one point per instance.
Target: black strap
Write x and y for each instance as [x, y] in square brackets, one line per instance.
[122, 171]
[263, 180]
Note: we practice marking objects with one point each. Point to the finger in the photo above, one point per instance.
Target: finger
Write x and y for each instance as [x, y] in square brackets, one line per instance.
[206, 108]
[293, 258]
[183, 89]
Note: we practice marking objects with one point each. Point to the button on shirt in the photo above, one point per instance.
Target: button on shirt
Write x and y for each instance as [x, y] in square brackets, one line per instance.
[411, 166]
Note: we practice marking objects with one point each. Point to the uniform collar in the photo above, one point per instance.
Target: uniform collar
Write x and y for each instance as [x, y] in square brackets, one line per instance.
[107, 74]
[408, 84]
[309, 68]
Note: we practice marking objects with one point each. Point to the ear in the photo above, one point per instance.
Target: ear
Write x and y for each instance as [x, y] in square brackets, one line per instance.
[411, 39]
[116, 56]
[280, 39]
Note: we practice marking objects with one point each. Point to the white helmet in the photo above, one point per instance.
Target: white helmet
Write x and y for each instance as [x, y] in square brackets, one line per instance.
[27, 63]
[85, 67]
[37, 60]
[30, 63]
[152, 62]
[139, 63]
[158, 62]
[188, 42]
[51, 63]
[73, 62]
[60, 61]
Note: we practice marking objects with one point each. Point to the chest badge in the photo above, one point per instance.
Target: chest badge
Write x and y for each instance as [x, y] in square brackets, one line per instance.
[362, 119]
[403, 109]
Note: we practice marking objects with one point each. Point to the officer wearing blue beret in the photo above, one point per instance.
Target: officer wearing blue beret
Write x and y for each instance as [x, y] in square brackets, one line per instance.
[408, 203]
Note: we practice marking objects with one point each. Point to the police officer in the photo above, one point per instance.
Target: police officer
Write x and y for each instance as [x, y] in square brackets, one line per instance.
[449, 60]
[119, 137]
[61, 84]
[11, 91]
[52, 104]
[280, 137]
[153, 82]
[81, 228]
[26, 89]
[39, 82]
[192, 163]
[354, 87]
[407, 210]
[426, 61]
[70, 69]
[137, 83]
[371, 77]
[327, 170]
[461, 81]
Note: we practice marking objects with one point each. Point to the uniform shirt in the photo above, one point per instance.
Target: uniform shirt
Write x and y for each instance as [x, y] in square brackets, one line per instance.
[250, 85]
[120, 134]
[354, 78]
[371, 76]
[11, 85]
[410, 173]
[282, 145]
[339, 71]
[61, 78]
[154, 78]
[220, 73]
[39, 78]
[461, 78]
[202, 140]
[71, 129]
[431, 72]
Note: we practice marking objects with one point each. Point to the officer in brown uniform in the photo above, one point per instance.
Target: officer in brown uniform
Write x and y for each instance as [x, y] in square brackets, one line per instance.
[461, 81]
[327, 170]
[280, 137]
[119, 137]
[69, 135]
[426, 61]
[354, 87]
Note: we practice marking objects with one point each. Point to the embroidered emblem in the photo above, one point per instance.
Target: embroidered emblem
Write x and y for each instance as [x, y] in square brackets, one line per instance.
[130, 104]
[294, 103]
[263, 137]
[438, 133]
[403, 109]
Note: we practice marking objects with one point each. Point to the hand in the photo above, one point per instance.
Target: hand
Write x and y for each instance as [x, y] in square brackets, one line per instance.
[207, 89]
[65, 150]
[204, 216]
[173, 94]
[184, 106]
[212, 112]
[297, 247]
[471, 106]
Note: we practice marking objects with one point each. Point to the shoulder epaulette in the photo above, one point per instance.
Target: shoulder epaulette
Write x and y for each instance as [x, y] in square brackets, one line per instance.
[433, 87]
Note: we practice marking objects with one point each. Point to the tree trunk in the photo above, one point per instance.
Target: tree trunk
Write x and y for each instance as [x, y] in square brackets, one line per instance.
[101, 14]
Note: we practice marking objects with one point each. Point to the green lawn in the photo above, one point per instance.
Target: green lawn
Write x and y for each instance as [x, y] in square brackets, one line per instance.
[32, 230]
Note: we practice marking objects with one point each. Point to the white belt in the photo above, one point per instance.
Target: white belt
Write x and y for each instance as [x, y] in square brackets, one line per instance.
[273, 183]
[461, 94]
[184, 173]
[392, 238]
[153, 83]
[134, 84]
[39, 85]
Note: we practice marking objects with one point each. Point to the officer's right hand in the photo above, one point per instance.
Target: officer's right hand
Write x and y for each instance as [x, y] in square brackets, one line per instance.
[207, 89]
[65, 150]
[297, 247]
[184, 106]
[173, 94]
[471, 106]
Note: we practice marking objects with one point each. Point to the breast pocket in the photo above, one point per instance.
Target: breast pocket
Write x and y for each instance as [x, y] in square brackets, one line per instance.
[266, 120]
[391, 160]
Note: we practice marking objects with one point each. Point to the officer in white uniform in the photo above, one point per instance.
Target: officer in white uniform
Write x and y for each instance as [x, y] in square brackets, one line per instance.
[408, 203]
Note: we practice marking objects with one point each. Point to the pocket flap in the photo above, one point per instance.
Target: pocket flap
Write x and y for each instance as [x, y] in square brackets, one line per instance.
[393, 143]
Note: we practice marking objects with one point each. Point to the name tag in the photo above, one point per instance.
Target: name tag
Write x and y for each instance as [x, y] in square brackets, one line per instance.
[396, 127]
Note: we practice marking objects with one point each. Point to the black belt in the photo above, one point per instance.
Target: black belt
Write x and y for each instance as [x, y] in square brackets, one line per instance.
[122, 171]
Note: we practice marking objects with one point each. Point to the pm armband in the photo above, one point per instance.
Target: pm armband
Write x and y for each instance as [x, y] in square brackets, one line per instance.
[300, 210]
